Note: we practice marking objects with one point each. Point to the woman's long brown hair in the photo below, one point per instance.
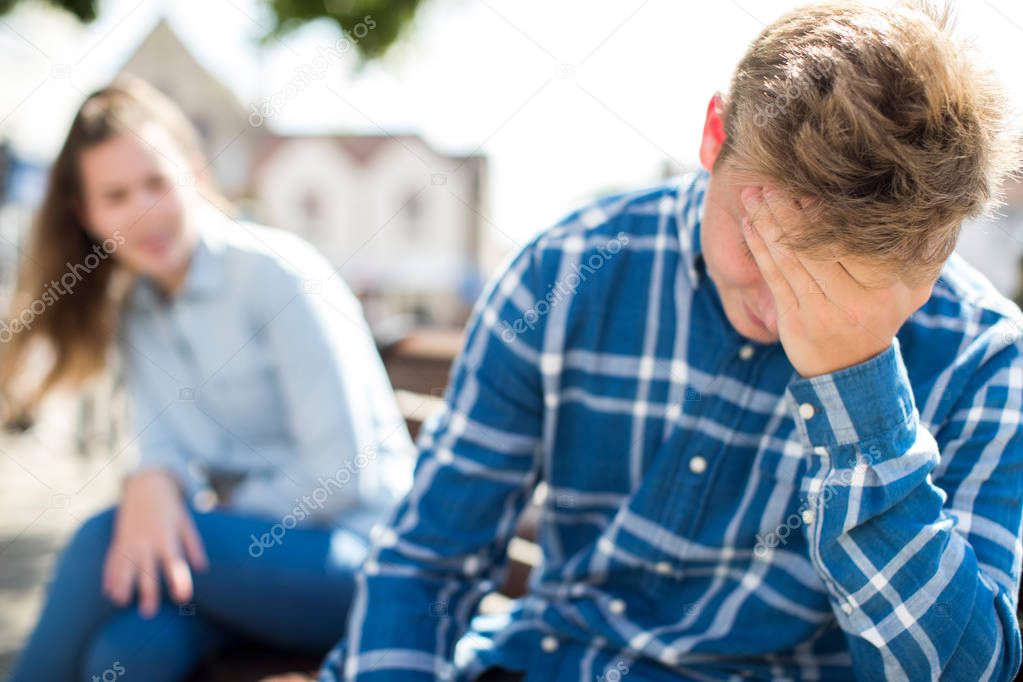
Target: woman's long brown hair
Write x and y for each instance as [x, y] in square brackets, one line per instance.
[70, 337]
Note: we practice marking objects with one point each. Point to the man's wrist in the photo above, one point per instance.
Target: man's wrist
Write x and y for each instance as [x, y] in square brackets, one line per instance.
[856, 403]
[809, 371]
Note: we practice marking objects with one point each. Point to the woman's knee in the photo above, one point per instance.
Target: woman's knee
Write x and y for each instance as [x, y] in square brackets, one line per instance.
[81, 561]
[105, 656]
[162, 648]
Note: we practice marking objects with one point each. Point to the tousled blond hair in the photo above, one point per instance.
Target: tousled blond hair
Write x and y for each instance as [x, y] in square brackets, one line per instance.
[882, 115]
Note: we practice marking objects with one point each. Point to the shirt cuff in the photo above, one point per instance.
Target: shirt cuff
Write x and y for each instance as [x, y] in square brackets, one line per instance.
[194, 483]
[855, 404]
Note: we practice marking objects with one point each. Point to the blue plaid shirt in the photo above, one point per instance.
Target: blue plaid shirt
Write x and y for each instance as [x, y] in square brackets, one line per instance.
[707, 513]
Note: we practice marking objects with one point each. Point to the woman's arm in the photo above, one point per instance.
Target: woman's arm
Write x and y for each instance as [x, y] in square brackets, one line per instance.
[160, 414]
[341, 409]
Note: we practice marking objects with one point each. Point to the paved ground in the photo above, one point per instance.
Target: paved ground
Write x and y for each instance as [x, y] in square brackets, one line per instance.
[46, 490]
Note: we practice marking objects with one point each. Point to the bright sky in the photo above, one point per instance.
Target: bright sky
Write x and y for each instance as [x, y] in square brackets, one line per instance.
[474, 75]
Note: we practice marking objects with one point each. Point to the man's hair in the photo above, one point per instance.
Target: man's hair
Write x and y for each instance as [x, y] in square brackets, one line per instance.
[882, 115]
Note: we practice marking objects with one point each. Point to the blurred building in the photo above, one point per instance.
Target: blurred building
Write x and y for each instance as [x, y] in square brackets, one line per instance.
[401, 220]
[164, 61]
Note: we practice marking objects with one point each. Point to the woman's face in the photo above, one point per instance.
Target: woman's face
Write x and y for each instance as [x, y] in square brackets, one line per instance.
[131, 193]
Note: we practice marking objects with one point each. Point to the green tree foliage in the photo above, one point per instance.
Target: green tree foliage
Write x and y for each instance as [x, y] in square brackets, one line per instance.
[373, 25]
[386, 20]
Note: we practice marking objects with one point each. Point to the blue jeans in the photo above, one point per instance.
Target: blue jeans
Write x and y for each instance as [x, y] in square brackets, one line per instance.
[293, 595]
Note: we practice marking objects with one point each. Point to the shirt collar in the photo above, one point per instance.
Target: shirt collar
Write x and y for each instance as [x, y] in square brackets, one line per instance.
[692, 194]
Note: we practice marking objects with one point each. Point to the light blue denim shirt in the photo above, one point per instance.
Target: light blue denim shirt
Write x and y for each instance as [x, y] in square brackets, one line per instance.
[262, 375]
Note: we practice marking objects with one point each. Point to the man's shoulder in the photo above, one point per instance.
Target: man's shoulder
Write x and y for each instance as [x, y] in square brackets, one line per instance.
[635, 212]
[964, 297]
[963, 325]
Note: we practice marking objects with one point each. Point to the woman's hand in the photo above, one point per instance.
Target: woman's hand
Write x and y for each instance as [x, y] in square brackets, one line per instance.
[153, 533]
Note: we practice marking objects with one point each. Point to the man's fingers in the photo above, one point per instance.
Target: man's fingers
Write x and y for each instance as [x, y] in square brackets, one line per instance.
[777, 214]
[780, 288]
[776, 217]
[759, 220]
[787, 212]
[756, 209]
[835, 282]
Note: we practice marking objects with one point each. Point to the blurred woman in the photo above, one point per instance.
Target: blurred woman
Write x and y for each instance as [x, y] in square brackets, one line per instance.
[269, 441]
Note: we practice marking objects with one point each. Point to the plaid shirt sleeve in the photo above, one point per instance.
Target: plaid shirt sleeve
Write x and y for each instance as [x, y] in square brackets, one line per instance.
[914, 533]
[478, 464]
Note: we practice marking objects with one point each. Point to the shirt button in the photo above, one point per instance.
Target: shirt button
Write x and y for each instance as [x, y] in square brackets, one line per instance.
[445, 456]
[370, 567]
[204, 500]
[697, 465]
[663, 567]
[387, 537]
[549, 644]
[746, 352]
[806, 411]
[846, 607]
[808, 516]
[617, 606]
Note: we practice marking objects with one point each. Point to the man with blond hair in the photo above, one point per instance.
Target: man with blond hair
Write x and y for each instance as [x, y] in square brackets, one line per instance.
[778, 423]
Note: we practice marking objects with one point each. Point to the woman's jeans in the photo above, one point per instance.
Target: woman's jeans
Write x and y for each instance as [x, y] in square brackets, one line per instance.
[291, 594]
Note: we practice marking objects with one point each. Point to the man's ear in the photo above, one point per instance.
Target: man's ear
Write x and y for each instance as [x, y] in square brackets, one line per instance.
[713, 132]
